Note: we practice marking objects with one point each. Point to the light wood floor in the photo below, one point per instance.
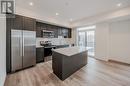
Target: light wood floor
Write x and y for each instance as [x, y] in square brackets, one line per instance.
[96, 73]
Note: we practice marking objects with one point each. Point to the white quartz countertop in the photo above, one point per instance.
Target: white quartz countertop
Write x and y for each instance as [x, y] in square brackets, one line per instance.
[69, 51]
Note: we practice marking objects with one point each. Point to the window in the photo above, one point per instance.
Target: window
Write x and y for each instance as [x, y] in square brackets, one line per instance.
[86, 38]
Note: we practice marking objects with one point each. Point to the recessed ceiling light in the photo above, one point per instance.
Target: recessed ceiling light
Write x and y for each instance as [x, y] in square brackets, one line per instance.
[119, 4]
[31, 3]
[57, 14]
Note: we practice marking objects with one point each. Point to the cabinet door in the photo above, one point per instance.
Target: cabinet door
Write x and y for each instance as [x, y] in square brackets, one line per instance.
[38, 30]
[69, 32]
[39, 54]
[29, 24]
[59, 31]
[43, 26]
[55, 29]
[17, 22]
[65, 32]
[8, 44]
[49, 27]
[61, 46]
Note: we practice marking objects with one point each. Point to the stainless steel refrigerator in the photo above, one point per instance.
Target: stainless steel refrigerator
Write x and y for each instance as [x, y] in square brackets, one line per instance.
[23, 49]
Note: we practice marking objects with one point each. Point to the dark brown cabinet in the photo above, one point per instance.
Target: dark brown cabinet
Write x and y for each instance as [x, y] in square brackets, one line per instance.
[65, 33]
[69, 32]
[43, 26]
[8, 44]
[39, 54]
[15, 23]
[57, 30]
[29, 24]
[21, 23]
[38, 30]
[61, 46]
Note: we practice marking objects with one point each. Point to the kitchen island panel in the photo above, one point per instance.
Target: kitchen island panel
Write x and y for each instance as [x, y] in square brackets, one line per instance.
[64, 66]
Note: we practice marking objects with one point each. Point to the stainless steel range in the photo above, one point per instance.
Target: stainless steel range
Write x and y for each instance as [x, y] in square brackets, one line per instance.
[47, 47]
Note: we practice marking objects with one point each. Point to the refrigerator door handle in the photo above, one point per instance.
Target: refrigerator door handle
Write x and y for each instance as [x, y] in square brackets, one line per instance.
[23, 45]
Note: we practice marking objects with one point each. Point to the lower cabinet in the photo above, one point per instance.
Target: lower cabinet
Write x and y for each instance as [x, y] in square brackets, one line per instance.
[61, 46]
[39, 54]
[47, 52]
[42, 52]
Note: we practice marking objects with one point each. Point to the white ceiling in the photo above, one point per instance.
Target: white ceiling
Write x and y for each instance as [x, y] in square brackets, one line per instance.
[67, 9]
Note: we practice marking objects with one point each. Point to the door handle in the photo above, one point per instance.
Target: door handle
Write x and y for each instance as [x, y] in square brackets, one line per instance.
[23, 45]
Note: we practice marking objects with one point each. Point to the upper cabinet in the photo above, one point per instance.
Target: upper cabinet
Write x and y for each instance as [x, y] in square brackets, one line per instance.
[38, 29]
[42, 29]
[65, 32]
[69, 33]
[59, 31]
[21, 23]
[29, 24]
[53, 31]
[14, 23]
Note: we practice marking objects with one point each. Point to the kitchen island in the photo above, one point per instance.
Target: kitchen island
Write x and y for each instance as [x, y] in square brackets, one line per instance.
[66, 61]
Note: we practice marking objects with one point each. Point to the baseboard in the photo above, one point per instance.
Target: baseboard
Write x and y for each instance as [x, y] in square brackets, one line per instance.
[3, 80]
[101, 59]
[119, 62]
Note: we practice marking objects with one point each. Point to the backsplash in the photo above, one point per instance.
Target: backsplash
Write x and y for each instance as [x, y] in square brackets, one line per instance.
[55, 41]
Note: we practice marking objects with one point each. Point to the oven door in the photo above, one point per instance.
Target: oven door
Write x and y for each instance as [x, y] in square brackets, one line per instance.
[47, 52]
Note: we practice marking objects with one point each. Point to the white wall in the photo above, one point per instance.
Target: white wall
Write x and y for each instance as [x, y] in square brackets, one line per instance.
[2, 50]
[101, 39]
[113, 41]
[120, 41]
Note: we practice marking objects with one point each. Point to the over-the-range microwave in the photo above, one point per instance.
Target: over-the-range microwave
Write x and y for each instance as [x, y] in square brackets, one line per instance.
[48, 34]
